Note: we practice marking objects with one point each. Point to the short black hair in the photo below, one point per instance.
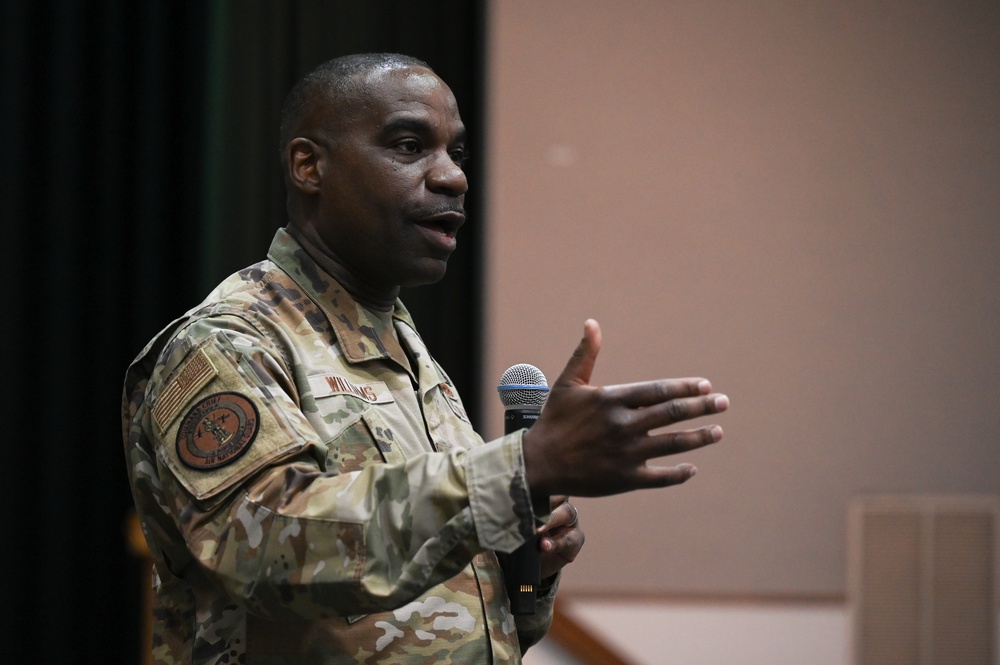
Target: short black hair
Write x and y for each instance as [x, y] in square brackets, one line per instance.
[331, 80]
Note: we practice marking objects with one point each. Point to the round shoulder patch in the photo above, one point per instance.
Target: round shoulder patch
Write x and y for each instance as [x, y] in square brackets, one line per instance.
[217, 430]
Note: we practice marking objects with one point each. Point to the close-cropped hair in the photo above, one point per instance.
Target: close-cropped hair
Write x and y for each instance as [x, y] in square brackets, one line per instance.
[334, 79]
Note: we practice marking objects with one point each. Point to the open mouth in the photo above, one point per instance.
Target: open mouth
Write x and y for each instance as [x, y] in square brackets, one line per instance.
[444, 223]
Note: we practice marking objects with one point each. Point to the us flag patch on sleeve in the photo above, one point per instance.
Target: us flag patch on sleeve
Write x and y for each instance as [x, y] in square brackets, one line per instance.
[198, 371]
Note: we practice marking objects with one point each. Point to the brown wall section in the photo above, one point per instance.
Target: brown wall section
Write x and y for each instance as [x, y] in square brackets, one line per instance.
[797, 200]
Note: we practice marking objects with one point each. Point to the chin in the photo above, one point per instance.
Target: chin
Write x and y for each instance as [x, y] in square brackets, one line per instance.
[430, 272]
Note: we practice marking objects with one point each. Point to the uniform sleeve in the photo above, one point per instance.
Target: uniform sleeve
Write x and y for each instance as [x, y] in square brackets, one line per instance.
[262, 511]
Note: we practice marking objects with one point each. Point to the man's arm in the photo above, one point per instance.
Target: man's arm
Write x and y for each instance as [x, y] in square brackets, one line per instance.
[276, 525]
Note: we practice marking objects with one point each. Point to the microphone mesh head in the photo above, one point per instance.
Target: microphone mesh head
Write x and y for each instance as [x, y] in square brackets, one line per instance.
[523, 385]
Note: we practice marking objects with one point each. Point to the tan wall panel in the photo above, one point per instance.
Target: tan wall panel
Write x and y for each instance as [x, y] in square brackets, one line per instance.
[799, 201]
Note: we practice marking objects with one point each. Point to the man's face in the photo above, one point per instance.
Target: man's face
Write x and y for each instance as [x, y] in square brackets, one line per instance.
[392, 190]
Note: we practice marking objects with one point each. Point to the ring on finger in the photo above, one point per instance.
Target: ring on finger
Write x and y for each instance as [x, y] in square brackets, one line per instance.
[576, 514]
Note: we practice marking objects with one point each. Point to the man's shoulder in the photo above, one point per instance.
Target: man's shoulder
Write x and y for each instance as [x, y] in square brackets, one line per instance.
[235, 303]
[253, 296]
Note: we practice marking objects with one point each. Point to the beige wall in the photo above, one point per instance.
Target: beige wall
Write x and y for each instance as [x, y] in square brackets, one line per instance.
[798, 200]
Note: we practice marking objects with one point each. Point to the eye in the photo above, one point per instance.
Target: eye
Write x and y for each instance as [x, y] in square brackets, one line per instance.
[459, 156]
[408, 146]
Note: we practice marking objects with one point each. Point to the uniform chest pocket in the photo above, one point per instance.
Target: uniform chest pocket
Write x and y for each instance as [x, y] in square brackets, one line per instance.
[368, 440]
[345, 416]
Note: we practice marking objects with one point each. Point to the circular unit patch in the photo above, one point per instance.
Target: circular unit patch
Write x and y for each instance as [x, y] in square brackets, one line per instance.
[217, 430]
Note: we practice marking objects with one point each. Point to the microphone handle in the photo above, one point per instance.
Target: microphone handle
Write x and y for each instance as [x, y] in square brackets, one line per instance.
[522, 567]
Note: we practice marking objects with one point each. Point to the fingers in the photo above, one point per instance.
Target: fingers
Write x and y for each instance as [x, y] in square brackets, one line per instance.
[651, 477]
[596, 441]
[677, 410]
[562, 539]
[558, 553]
[672, 443]
[648, 393]
[580, 367]
[564, 515]
[643, 476]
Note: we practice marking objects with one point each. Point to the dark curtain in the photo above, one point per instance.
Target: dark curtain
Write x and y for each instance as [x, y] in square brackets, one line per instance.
[257, 52]
[138, 142]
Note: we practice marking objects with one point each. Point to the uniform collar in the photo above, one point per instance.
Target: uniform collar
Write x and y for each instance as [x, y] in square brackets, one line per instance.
[361, 333]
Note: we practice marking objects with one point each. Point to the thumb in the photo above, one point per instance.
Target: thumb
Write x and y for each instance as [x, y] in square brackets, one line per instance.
[581, 364]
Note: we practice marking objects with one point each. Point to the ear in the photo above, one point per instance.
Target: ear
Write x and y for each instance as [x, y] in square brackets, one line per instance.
[304, 164]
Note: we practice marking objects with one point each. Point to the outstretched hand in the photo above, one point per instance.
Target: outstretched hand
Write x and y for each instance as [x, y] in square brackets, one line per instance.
[596, 441]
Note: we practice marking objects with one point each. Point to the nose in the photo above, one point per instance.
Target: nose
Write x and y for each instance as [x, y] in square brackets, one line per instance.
[447, 177]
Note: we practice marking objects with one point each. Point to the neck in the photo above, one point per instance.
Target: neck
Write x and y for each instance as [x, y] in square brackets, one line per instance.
[367, 294]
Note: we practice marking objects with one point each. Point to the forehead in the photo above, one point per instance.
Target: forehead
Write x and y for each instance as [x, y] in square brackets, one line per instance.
[390, 94]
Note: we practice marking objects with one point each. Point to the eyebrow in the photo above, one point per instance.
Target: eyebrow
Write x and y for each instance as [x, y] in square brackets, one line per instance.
[417, 126]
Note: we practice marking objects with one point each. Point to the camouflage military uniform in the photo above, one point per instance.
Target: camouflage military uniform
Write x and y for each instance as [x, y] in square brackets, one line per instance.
[311, 488]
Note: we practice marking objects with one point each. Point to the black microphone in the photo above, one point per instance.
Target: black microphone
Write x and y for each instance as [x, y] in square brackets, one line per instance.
[523, 390]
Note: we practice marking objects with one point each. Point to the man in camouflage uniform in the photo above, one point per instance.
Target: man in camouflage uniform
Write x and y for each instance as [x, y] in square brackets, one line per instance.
[306, 477]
